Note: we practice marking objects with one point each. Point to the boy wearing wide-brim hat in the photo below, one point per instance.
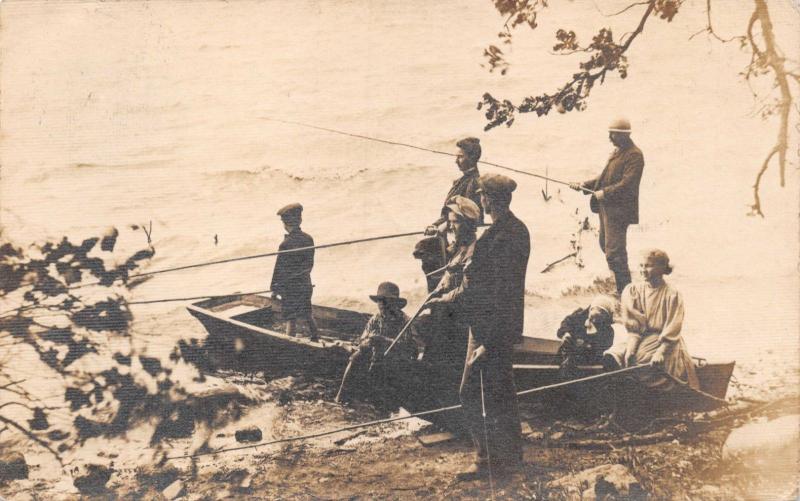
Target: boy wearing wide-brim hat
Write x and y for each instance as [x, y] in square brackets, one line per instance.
[291, 278]
[380, 331]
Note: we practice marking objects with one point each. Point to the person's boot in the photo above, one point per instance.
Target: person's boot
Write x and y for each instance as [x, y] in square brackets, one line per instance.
[312, 327]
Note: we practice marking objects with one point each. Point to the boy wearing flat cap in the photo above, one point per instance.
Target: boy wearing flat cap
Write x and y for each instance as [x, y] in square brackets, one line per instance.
[291, 278]
[491, 298]
[378, 335]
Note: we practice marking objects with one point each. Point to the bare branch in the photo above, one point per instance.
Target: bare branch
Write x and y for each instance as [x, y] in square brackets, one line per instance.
[626, 9]
[710, 29]
[756, 207]
[33, 437]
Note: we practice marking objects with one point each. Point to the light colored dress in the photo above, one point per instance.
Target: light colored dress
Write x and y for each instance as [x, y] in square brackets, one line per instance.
[655, 316]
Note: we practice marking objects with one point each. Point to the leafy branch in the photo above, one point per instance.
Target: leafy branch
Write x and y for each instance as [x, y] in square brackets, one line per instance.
[607, 55]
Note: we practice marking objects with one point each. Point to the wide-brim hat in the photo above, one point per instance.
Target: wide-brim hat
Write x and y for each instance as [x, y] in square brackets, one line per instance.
[389, 291]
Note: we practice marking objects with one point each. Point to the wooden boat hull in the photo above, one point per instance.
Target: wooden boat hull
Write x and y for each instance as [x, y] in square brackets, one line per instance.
[248, 331]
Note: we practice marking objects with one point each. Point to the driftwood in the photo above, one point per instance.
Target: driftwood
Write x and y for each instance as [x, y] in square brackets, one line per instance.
[551, 265]
[611, 444]
[729, 416]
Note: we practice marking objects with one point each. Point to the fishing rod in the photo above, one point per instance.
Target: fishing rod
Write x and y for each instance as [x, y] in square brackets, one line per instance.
[402, 418]
[486, 438]
[410, 321]
[421, 148]
[244, 258]
[170, 300]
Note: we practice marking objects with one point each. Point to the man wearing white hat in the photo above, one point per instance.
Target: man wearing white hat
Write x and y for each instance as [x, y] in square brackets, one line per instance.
[616, 198]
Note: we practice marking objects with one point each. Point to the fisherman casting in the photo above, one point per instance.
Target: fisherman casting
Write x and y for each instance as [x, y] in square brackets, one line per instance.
[616, 199]
[469, 153]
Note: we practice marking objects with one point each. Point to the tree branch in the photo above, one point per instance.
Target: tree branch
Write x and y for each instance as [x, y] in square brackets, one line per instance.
[606, 56]
[756, 207]
[626, 9]
[33, 437]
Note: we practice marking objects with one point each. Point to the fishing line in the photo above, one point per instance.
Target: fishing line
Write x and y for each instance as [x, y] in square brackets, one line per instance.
[438, 152]
[401, 418]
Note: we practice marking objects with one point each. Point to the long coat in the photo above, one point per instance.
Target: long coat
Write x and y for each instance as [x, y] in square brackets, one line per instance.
[493, 299]
[620, 184]
[291, 278]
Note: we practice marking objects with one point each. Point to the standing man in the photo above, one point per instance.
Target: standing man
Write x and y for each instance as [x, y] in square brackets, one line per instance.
[469, 152]
[616, 198]
[291, 278]
[491, 298]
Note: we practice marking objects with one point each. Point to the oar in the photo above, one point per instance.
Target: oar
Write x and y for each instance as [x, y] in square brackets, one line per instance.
[408, 324]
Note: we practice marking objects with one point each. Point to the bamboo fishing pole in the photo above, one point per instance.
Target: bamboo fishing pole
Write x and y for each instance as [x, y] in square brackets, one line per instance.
[410, 321]
[230, 260]
[421, 148]
[431, 412]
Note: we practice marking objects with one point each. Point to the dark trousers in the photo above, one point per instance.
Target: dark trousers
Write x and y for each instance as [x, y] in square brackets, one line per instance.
[501, 425]
[613, 243]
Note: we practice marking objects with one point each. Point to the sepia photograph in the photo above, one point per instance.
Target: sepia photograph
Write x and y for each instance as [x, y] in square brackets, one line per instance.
[543, 250]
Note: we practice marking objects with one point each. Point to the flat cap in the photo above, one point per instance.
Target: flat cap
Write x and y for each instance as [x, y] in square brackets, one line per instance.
[291, 210]
[496, 184]
[464, 207]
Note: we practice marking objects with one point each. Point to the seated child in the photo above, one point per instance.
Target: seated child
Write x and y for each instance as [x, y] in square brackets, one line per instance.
[586, 333]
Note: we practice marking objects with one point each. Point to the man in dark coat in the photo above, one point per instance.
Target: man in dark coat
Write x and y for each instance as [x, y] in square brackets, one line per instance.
[291, 278]
[616, 198]
[469, 152]
[491, 298]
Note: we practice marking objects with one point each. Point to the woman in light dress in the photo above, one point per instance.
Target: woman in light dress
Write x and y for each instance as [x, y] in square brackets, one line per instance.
[653, 312]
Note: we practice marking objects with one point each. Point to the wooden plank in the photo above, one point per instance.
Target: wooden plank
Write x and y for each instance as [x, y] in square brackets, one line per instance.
[436, 438]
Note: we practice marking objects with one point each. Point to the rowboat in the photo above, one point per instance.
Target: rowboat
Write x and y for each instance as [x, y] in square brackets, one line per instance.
[249, 330]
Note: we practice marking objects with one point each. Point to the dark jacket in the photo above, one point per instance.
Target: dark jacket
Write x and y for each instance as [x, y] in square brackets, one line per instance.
[292, 274]
[575, 325]
[466, 186]
[491, 296]
[620, 184]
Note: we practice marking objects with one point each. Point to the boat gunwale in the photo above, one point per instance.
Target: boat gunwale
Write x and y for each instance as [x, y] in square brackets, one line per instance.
[317, 345]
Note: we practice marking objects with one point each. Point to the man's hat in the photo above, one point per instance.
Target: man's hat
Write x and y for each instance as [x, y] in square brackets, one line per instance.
[290, 211]
[471, 146]
[464, 207]
[389, 291]
[496, 184]
[620, 125]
